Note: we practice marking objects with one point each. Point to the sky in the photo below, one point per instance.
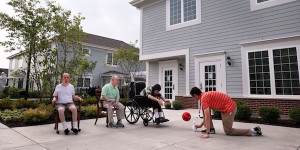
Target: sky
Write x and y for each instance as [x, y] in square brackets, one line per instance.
[115, 19]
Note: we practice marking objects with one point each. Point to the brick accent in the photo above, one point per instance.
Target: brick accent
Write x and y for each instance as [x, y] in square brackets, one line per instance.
[284, 105]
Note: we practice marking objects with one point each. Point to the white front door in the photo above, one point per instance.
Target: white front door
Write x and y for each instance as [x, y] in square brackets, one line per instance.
[210, 76]
[168, 74]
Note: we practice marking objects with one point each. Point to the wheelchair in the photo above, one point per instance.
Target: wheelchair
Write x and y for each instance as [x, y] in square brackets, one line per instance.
[139, 107]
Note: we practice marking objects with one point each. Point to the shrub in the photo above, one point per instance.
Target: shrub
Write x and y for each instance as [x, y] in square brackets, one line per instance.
[21, 103]
[243, 112]
[123, 101]
[269, 114]
[6, 104]
[217, 114]
[10, 116]
[89, 100]
[168, 105]
[35, 116]
[295, 115]
[90, 111]
[12, 92]
[177, 105]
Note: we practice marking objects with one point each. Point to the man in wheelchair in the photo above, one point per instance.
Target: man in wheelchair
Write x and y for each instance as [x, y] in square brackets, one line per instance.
[63, 98]
[154, 101]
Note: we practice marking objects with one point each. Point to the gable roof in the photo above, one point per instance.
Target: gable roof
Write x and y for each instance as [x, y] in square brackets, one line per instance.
[106, 42]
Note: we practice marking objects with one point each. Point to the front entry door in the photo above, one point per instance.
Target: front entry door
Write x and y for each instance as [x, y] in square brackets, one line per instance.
[168, 79]
[210, 78]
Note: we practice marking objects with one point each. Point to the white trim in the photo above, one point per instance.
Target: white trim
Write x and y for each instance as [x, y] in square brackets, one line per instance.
[183, 52]
[211, 57]
[256, 6]
[141, 32]
[169, 64]
[271, 39]
[103, 48]
[267, 45]
[147, 73]
[89, 51]
[182, 24]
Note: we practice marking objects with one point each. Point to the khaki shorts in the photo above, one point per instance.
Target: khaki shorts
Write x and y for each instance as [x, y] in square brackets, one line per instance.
[67, 105]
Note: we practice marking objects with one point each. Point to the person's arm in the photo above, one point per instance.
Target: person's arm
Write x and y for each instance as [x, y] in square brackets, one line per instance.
[104, 95]
[207, 123]
[200, 125]
[75, 97]
[54, 100]
[117, 99]
[155, 99]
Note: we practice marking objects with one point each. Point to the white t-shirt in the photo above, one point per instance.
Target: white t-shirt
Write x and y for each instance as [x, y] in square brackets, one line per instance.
[64, 93]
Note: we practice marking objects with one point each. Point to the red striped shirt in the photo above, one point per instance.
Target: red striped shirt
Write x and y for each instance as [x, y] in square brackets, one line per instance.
[217, 100]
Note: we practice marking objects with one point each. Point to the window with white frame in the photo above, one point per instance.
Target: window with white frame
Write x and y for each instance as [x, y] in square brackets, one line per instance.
[110, 59]
[86, 51]
[274, 71]
[83, 82]
[182, 13]
[261, 4]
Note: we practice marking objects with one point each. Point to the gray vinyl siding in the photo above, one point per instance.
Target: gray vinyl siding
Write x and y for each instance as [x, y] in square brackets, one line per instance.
[224, 25]
[181, 78]
[153, 73]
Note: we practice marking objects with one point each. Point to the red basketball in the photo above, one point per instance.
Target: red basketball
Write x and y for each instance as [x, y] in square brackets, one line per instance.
[186, 116]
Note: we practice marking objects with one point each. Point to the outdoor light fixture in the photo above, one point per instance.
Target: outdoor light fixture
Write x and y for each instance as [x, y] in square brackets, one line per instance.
[228, 60]
[180, 66]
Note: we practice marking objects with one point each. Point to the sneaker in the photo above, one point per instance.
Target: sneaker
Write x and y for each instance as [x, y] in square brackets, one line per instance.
[258, 130]
[161, 119]
[157, 120]
[112, 125]
[75, 130]
[212, 131]
[120, 124]
[67, 131]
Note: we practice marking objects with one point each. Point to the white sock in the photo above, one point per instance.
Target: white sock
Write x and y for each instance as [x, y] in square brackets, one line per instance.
[156, 115]
[65, 125]
[161, 114]
[75, 125]
[253, 132]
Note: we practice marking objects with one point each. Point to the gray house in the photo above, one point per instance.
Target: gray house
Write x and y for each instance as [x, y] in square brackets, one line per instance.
[100, 49]
[249, 49]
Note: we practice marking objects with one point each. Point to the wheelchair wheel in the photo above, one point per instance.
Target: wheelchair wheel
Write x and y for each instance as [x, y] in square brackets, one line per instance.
[146, 114]
[145, 122]
[132, 112]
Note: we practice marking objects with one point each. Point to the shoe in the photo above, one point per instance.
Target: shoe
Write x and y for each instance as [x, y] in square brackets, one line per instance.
[75, 130]
[258, 130]
[67, 131]
[212, 131]
[120, 124]
[194, 127]
[161, 119]
[157, 120]
[112, 125]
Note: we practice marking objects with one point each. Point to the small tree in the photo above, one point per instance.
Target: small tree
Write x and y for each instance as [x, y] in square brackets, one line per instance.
[128, 61]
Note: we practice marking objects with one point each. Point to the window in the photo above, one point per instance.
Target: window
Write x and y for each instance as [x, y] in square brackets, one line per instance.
[86, 51]
[282, 64]
[182, 13]
[110, 59]
[261, 4]
[83, 82]
[20, 83]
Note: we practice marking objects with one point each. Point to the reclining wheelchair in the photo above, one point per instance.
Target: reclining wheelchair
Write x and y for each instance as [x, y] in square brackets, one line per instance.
[139, 107]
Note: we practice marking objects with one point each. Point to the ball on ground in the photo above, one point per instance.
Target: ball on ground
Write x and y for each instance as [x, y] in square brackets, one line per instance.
[186, 116]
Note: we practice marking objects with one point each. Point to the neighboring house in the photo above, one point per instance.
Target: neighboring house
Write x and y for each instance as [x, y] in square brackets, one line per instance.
[100, 49]
[249, 49]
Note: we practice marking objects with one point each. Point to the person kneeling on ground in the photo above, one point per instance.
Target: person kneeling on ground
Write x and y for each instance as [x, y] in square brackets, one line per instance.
[227, 107]
[154, 98]
[63, 98]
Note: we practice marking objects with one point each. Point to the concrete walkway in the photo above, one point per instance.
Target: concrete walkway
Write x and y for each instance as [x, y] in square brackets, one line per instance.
[175, 134]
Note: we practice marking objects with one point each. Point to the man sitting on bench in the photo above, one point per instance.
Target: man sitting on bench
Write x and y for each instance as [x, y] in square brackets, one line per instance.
[154, 101]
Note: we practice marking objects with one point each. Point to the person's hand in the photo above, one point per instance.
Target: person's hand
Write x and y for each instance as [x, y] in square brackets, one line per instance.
[116, 104]
[204, 136]
[53, 102]
[160, 103]
[198, 126]
[80, 100]
[110, 104]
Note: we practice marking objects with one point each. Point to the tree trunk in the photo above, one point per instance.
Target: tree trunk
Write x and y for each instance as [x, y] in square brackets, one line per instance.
[27, 75]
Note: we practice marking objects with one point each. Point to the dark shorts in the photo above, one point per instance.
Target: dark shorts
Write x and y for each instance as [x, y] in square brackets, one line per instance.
[154, 105]
[65, 106]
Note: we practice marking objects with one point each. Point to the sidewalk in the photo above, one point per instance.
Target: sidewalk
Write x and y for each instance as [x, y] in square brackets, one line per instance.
[175, 134]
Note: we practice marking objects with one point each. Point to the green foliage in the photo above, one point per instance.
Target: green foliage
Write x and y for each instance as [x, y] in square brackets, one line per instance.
[269, 114]
[12, 92]
[90, 111]
[6, 104]
[10, 116]
[177, 105]
[89, 100]
[295, 115]
[243, 112]
[217, 114]
[38, 115]
[168, 105]
[123, 101]
[19, 104]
